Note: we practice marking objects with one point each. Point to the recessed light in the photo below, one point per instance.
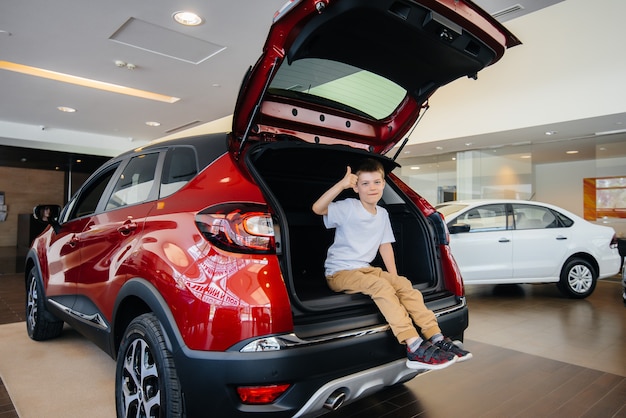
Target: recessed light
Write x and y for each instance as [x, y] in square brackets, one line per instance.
[525, 156]
[551, 133]
[153, 123]
[571, 152]
[415, 167]
[66, 109]
[187, 18]
[438, 148]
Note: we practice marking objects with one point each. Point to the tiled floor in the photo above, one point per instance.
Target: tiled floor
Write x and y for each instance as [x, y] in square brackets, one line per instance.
[536, 354]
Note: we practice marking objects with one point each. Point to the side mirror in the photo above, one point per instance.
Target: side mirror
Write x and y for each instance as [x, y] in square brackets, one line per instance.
[48, 214]
[458, 228]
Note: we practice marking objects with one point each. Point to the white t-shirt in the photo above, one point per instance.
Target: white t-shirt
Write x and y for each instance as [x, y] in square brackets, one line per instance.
[358, 235]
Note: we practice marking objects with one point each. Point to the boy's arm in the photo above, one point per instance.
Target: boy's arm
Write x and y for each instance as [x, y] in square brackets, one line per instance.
[320, 207]
[386, 253]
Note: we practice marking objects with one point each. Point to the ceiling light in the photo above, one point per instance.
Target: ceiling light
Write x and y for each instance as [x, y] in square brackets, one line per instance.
[551, 133]
[525, 156]
[438, 148]
[571, 152]
[153, 123]
[85, 82]
[66, 109]
[415, 167]
[187, 18]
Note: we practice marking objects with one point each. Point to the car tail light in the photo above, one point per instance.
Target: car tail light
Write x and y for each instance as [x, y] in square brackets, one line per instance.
[613, 243]
[239, 227]
[443, 237]
[260, 395]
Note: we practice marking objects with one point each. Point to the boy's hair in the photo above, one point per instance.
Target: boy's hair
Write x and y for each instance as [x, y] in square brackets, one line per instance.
[370, 165]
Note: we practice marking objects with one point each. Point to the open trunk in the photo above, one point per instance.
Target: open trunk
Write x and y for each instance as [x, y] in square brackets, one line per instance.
[293, 175]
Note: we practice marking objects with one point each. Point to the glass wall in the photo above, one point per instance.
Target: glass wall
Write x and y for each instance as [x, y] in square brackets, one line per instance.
[500, 173]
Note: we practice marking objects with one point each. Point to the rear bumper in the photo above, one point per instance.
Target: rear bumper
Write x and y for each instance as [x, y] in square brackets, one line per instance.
[353, 367]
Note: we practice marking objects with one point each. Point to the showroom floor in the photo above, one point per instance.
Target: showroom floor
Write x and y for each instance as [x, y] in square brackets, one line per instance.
[536, 354]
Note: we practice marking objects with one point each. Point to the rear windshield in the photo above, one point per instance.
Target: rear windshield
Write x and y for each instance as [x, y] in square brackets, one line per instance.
[338, 85]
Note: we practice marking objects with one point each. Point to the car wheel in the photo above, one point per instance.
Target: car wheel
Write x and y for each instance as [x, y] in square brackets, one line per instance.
[146, 384]
[578, 279]
[40, 324]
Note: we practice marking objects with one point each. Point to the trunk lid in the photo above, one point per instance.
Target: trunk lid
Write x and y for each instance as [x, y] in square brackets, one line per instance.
[358, 72]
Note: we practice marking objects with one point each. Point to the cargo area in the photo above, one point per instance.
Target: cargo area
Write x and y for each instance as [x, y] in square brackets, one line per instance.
[294, 175]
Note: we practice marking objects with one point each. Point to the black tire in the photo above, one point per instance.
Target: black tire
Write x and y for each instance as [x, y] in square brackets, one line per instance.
[578, 279]
[146, 383]
[40, 324]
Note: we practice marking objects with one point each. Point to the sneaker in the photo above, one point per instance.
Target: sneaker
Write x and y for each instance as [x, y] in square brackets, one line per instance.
[430, 357]
[449, 346]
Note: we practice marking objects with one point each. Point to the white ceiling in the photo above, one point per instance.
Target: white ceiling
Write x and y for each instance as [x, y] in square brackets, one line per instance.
[76, 37]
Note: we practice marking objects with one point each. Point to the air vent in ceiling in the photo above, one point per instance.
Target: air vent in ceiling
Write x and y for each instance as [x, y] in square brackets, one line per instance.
[185, 126]
[511, 9]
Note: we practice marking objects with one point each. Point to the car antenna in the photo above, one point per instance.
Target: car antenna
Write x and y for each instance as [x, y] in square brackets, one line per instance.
[425, 106]
[257, 107]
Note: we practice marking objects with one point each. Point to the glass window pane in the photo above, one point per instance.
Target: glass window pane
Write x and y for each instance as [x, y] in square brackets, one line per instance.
[135, 182]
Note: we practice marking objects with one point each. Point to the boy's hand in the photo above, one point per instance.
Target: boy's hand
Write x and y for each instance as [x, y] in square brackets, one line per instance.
[349, 180]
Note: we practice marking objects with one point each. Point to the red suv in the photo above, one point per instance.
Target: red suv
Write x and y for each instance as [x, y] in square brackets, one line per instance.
[198, 263]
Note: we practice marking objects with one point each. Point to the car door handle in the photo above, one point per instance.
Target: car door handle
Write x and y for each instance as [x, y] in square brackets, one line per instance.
[504, 240]
[561, 237]
[73, 241]
[127, 227]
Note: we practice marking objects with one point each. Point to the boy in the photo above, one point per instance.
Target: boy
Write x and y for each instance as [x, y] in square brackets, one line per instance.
[362, 229]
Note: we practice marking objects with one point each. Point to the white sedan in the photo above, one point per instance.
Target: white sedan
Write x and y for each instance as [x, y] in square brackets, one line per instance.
[516, 241]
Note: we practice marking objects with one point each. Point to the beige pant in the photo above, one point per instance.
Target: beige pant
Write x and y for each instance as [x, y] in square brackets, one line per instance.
[398, 301]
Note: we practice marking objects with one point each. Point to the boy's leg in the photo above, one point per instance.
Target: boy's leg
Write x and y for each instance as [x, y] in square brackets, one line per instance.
[368, 282]
[413, 302]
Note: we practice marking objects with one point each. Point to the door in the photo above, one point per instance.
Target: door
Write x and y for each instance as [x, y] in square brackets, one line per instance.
[539, 245]
[485, 253]
[110, 236]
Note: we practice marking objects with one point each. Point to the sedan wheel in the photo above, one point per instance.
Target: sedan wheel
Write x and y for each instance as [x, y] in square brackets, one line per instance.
[578, 279]
[146, 384]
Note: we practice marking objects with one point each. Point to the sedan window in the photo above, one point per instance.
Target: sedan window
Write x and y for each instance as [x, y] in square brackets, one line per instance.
[485, 218]
[535, 217]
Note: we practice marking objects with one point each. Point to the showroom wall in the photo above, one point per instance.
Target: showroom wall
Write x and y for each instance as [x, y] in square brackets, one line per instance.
[23, 189]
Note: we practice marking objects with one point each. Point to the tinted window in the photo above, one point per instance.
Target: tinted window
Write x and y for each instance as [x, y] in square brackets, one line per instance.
[338, 85]
[485, 218]
[180, 167]
[135, 182]
[88, 198]
[537, 217]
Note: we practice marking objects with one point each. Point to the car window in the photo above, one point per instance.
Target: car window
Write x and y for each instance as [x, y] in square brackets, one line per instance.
[534, 217]
[485, 218]
[448, 209]
[87, 199]
[135, 181]
[180, 167]
[339, 85]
